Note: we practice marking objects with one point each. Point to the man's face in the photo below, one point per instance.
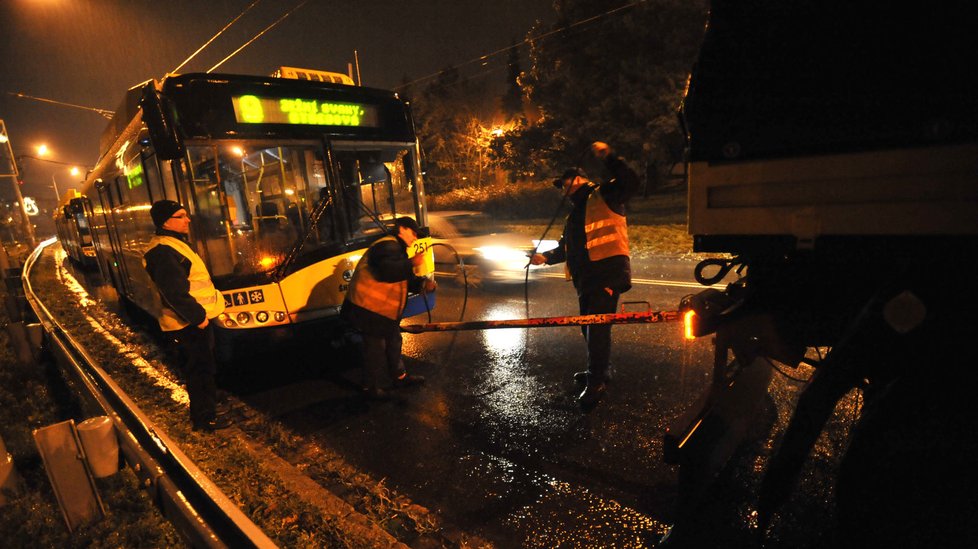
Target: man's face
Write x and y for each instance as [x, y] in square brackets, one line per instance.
[407, 235]
[179, 222]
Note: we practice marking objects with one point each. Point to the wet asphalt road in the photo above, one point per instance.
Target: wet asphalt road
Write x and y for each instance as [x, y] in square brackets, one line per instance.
[495, 441]
[496, 444]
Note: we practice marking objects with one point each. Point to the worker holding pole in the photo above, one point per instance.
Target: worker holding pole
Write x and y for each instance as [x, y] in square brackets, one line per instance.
[594, 246]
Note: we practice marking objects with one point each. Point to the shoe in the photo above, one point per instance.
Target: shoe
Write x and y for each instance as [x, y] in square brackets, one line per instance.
[407, 380]
[582, 377]
[377, 394]
[591, 395]
[215, 424]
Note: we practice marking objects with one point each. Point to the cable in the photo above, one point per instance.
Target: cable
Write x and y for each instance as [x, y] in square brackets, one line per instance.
[483, 58]
[563, 198]
[104, 112]
[465, 280]
[785, 374]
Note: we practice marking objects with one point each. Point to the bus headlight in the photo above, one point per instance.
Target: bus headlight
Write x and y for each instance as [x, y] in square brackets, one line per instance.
[261, 317]
[243, 318]
[279, 316]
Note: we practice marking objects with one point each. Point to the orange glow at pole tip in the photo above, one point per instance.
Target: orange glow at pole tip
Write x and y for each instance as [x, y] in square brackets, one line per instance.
[688, 323]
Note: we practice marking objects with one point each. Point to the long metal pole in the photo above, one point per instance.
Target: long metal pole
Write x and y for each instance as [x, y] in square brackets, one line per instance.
[57, 195]
[649, 317]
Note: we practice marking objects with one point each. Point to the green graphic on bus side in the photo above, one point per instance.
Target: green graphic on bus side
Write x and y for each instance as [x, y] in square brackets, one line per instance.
[134, 176]
[252, 109]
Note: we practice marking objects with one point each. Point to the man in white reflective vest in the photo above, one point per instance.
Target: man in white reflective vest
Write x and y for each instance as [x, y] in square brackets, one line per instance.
[190, 302]
[595, 247]
[375, 302]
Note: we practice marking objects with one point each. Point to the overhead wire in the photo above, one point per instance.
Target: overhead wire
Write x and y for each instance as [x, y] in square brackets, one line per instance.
[483, 58]
[104, 112]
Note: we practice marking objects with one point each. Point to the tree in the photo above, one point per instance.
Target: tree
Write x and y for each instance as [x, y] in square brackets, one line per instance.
[448, 113]
[512, 102]
[612, 73]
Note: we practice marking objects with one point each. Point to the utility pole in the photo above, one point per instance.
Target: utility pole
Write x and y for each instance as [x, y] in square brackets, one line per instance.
[5, 145]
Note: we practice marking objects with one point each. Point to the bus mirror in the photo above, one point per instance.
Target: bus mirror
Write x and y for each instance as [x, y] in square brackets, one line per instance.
[158, 117]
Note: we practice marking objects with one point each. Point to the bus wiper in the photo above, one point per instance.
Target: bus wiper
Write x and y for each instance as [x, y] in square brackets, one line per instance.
[280, 271]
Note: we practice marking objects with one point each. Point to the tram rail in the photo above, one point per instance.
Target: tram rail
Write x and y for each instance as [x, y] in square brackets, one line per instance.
[202, 514]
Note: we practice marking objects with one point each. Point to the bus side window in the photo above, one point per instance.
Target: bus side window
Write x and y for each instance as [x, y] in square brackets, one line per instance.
[169, 183]
[153, 181]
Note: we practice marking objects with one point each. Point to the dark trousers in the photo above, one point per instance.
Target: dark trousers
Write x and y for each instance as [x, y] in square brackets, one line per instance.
[598, 336]
[382, 358]
[199, 370]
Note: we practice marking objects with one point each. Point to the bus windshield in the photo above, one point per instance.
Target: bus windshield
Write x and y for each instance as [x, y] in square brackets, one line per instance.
[255, 202]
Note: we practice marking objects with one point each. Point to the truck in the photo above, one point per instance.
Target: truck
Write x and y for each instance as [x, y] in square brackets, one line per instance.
[832, 162]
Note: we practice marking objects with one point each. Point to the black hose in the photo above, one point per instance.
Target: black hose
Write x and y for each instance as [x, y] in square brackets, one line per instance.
[465, 279]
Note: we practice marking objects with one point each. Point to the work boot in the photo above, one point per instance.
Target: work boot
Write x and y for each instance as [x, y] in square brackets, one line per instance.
[592, 394]
[582, 377]
[215, 424]
[407, 380]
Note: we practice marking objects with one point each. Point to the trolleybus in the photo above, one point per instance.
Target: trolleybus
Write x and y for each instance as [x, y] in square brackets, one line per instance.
[71, 219]
[287, 183]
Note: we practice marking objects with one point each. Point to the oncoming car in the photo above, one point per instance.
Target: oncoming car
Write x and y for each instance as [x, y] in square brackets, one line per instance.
[487, 253]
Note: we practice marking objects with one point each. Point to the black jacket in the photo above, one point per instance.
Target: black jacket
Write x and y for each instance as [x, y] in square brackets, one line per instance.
[614, 272]
[170, 271]
[388, 262]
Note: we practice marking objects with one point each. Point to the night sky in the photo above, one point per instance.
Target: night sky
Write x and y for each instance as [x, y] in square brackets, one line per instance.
[89, 52]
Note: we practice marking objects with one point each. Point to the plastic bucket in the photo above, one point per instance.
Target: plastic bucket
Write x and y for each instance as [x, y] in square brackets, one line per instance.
[101, 446]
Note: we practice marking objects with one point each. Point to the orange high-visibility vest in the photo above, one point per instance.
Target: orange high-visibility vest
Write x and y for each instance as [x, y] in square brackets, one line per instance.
[201, 287]
[384, 298]
[605, 230]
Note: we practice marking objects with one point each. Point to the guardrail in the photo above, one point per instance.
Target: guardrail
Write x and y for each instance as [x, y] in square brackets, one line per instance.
[197, 508]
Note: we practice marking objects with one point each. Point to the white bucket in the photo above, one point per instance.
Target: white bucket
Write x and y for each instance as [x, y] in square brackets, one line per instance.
[101, 446]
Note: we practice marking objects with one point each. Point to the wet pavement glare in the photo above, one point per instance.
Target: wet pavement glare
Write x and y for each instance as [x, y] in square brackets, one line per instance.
[495, 442]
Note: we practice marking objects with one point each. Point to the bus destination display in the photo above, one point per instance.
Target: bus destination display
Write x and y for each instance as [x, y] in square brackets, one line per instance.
[253, 109]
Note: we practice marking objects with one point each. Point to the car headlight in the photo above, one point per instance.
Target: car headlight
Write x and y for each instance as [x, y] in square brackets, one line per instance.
[501, 253]
[545, 245]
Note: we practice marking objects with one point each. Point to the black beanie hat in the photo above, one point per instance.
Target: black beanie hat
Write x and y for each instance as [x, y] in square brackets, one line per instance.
[408, 223]
[569, 173]
[163, 210]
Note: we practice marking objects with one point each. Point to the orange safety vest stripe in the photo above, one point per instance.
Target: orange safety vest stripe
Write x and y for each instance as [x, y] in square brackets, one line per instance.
[384, 298]
[605, 230]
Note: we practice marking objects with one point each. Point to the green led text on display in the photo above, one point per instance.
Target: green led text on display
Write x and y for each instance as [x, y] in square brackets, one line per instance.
[252, 109]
